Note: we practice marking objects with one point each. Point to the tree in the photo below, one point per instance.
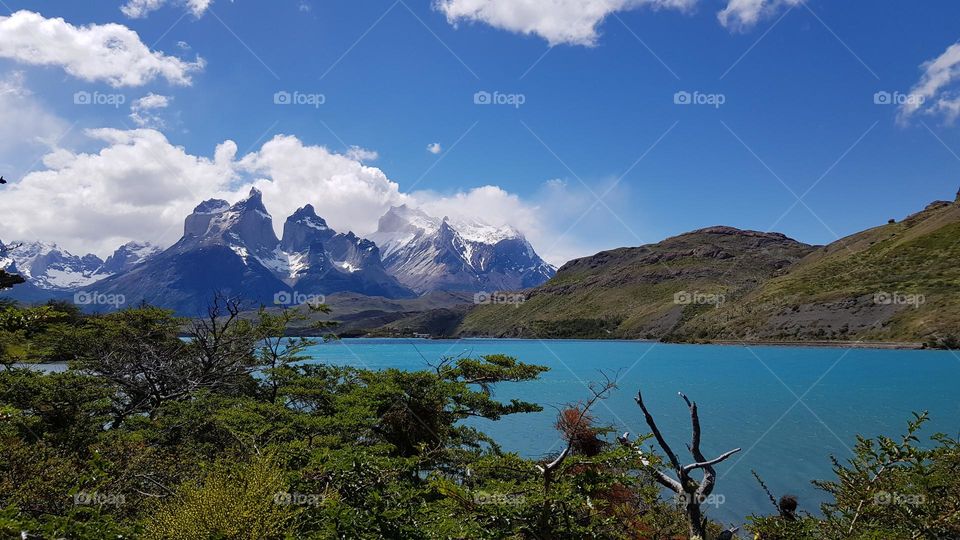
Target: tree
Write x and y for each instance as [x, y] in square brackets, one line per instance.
[692, 493]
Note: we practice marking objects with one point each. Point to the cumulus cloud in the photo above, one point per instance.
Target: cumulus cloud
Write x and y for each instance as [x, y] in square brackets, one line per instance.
[434, 148]
[936, 92]
[143, 111]
[138, 9]
[362, 154]
[572, 22]
[744, 14]
[110, 53]
[28, 128]
[139, 186]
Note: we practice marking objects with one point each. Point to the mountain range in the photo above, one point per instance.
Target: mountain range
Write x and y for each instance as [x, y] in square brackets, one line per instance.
[233, 249]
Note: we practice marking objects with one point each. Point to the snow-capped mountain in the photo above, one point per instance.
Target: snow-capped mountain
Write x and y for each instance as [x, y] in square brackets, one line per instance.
[232, 249]
[427, 253]
[127, 256]
[49, 267]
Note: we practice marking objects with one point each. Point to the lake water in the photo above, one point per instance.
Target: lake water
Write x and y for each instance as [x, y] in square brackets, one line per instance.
[789, 408]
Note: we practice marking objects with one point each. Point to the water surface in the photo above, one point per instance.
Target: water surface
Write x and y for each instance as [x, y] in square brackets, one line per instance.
[789, 408]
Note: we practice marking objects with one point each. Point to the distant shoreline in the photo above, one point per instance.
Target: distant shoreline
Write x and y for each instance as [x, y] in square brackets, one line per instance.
[892, 345]
[888, 345]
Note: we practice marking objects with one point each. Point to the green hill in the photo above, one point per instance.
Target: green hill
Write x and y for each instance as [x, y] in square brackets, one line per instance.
[897, 282]
[641, 292]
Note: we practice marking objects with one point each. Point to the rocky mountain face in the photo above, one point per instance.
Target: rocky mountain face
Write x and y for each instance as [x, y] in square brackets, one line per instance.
[233, 250]
[427, 253]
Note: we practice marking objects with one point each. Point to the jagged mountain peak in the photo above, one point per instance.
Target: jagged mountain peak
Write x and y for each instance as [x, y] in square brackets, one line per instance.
[429, 253]
[405, 218]
[127, 256]
[303, 229]
[246, 226]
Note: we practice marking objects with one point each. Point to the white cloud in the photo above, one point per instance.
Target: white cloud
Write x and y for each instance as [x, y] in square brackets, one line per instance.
[572, 22]
[139, 186]
[434, 148]
[143, 110]
[743, 14]
[29, 130]
[111, 53]
[138, 9]
[936, 92]
[361, 154]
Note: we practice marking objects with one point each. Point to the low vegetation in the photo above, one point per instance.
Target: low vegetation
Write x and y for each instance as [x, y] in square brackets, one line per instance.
[230, 435]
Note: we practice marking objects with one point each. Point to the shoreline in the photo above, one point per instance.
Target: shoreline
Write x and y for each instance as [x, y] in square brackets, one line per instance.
[887, 345]
[880, 345]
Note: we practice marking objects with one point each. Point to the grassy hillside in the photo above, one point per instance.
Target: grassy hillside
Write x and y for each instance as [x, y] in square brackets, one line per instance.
[900, 281]
[634, 292]
[897, 282]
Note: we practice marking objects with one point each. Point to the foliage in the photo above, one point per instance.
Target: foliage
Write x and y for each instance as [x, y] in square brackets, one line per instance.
[889, 489]
[232, 434]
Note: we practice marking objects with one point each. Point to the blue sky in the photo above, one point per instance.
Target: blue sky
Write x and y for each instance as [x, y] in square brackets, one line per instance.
[598, 116]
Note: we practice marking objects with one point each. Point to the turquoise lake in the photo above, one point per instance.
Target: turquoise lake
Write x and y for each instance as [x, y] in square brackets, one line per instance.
[789, 408]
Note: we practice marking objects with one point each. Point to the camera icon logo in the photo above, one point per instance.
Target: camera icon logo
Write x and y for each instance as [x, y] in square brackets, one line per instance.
[682, 98]
[682, 298]
[481, 298]
[882, 98]
[482, 98]
[282, 298]
[82, 98]
[282, 98]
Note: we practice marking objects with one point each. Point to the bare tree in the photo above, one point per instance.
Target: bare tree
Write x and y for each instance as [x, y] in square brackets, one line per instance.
[569, 425]
[691, 492]
[221, 346]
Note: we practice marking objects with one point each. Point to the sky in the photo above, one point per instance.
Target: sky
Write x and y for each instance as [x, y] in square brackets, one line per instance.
[587, 124]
